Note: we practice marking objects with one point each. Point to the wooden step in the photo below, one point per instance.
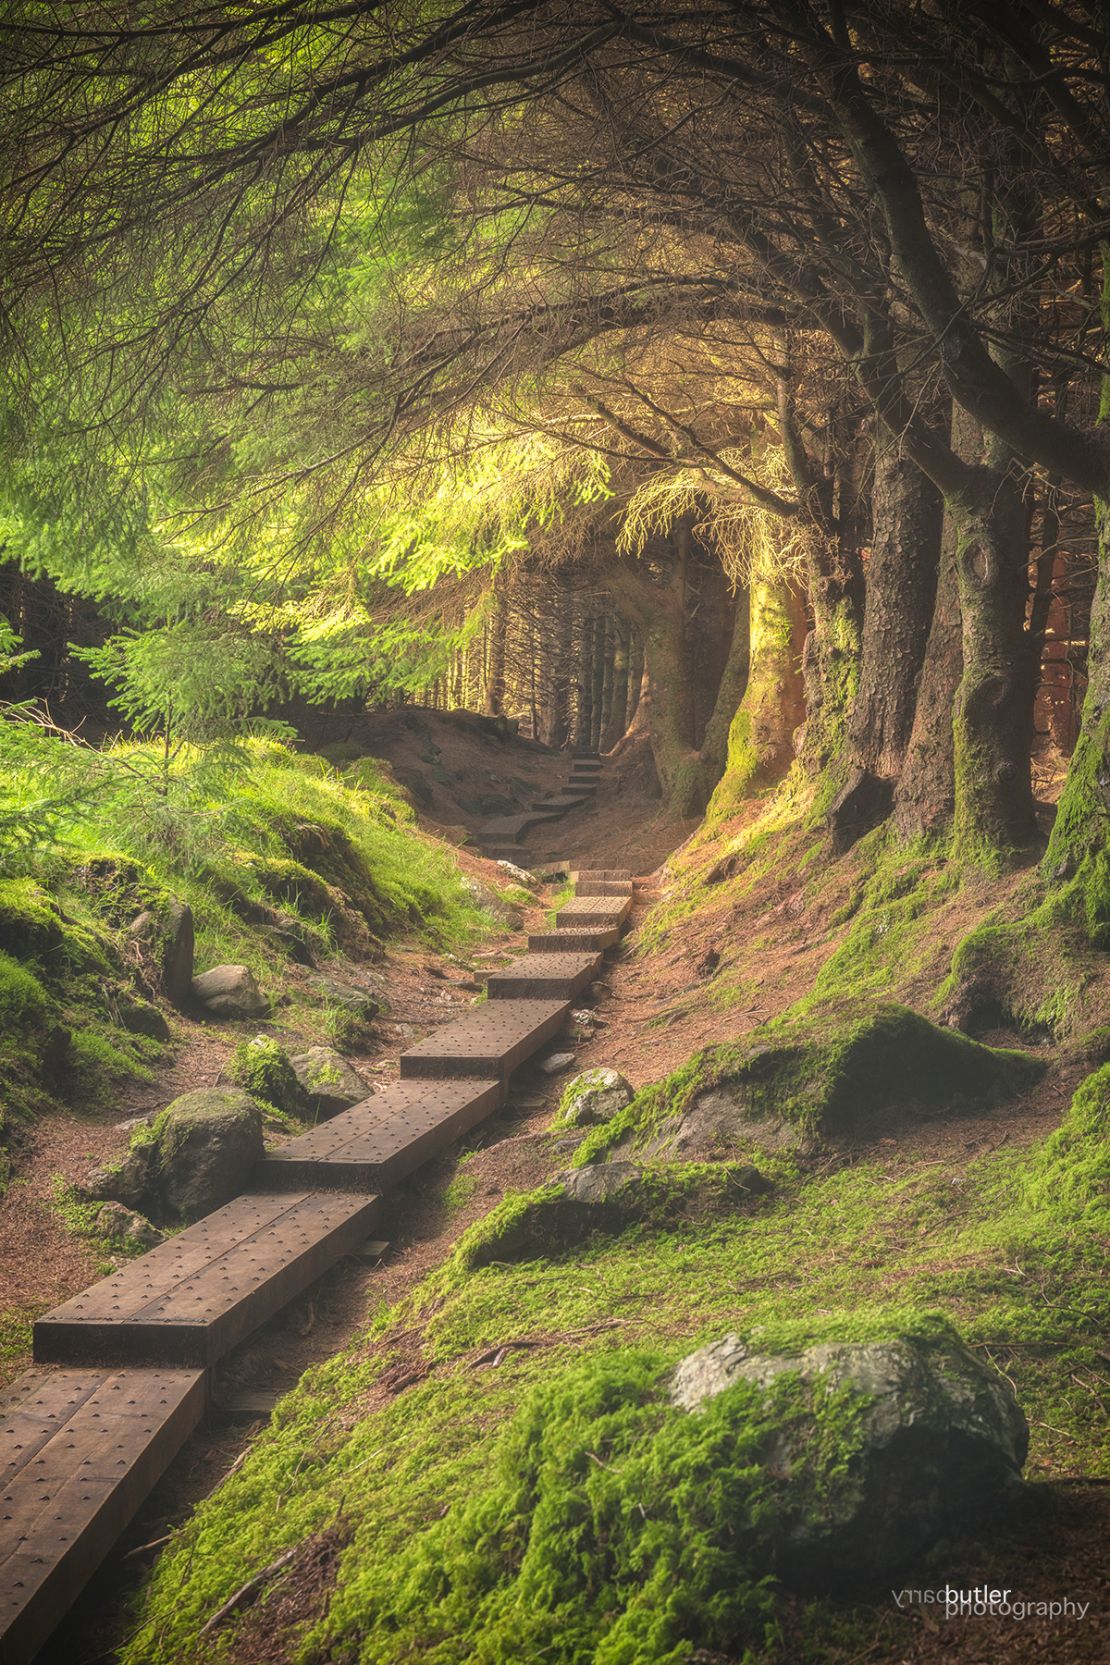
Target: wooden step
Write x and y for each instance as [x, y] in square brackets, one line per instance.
[197, 1294]
[603, 887]
[544, 975]
[379, 1141]
[578, 874]
[562, 803]
[594, 910]
[569, 941]
[79, 1452]
[488, 1042]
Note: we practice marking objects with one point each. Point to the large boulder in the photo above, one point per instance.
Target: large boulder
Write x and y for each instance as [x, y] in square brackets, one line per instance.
[364, 1000]
[878, 1446]
[230, 991]
[605, 1199]
[327, 1080]
[594, 1096]
[195, 1156]
[208, 1143]
[840, 1071]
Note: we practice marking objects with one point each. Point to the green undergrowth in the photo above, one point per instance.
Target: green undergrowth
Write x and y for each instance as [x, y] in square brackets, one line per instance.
[491, 1510]
[281, 858]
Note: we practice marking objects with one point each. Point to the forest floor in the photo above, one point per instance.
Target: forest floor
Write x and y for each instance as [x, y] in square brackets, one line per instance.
[706, 970]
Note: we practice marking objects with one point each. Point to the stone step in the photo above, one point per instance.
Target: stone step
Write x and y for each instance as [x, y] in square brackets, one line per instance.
[594, 910]
[603, 887]
[569, 941]
[384, 1138]
[489, 1042]
[79, 1452]
[197, 1294]
[547, 975]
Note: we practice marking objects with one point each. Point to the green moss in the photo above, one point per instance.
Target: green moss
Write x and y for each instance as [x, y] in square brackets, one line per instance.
[22, 997]
[1008, 1255]
[262, 1066]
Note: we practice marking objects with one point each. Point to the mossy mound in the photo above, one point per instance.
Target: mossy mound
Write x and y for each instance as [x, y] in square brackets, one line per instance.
[840, 1071]
[604, 1201]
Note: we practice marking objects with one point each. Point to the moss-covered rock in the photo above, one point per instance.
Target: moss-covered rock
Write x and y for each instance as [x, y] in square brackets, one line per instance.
[839, 1071]
[194, 1157]
[262, 1066]
[594, 1096]
[614, 1526]
[328, 1082]
[208, 1143]
[928, 1434]
[604, 1200]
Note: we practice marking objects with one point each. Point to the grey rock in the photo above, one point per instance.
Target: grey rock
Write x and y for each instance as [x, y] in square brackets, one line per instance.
[177, 954]
[131, 1183]
[594, 1096]
[118, 1224]
[599, 1184]
[208, 1143]
[717, 1124]
[363, 1001]
[167, 935]
[556, 1063]
[328, 1080]
[230, 991]
[933, 1434]
[520, 875]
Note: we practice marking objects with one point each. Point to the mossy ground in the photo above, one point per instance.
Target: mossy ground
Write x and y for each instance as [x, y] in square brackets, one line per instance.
[418, 1481]
[278, 855]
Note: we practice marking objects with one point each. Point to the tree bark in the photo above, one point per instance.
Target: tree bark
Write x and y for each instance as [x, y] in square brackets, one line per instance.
[900, 598]
[762, 731]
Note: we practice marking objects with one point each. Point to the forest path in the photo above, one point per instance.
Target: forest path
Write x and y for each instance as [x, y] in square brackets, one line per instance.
[136, 1350]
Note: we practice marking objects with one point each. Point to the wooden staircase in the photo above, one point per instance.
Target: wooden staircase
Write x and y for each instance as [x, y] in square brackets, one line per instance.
[500, 838]
[121, 1371]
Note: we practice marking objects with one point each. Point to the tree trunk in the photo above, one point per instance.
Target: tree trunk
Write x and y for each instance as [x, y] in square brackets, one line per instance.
[1080, 841]
[498, 630]
[616, 704]
[925, 794]
[761, 733]
[900, 598]
[993, 714]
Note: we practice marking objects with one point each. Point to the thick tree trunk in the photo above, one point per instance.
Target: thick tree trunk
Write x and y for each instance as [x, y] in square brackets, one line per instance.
[993, 714]
[616, 688]
[925, 794]
[1080, 842]
[830, 659]
[635, 675]
[762, 730]
[901, 593]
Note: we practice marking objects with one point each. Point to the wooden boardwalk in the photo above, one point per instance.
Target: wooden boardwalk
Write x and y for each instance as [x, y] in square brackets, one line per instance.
[121, 1370]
